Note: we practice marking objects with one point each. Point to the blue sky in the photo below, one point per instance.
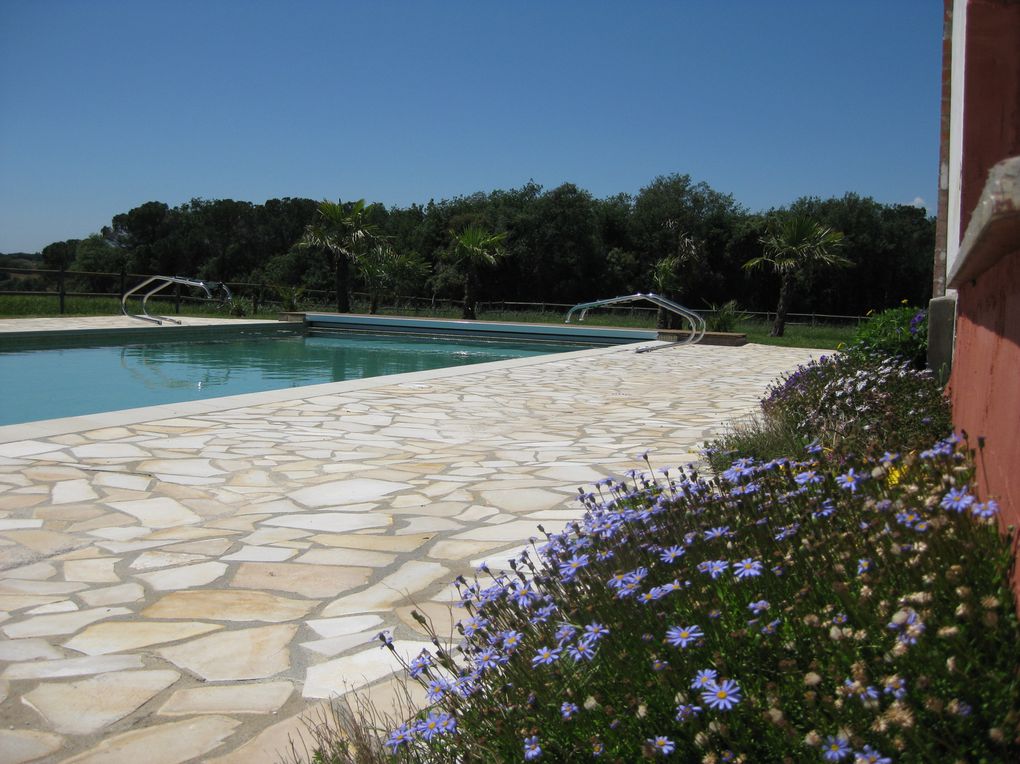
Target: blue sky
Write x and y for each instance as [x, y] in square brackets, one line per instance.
[107, 104]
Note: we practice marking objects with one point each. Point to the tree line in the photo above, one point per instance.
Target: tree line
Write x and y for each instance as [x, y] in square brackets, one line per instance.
[557, 245]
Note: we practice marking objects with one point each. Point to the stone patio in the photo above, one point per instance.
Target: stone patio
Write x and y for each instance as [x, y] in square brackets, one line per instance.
[184, 583]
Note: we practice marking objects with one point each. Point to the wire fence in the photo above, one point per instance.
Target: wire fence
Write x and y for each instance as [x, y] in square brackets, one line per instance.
[252, 298]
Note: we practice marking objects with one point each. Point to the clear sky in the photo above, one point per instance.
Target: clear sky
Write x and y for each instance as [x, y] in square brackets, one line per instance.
[107, 104]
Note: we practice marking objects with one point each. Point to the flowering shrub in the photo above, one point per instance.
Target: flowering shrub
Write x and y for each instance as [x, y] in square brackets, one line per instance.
[900, 332]
[859, 403]
[783, 609]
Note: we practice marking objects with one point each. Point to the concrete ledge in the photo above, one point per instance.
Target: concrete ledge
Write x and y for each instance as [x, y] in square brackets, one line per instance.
[726, 339]
[994, 228]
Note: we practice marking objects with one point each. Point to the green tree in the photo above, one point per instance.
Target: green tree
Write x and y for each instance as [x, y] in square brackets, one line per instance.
[473, 249]
[795, 246]
[383, 272]
[346, 233]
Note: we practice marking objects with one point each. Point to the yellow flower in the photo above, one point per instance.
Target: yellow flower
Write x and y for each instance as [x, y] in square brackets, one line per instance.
[894, 476]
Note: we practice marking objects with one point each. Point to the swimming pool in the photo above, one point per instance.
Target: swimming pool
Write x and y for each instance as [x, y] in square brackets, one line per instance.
[50, 382]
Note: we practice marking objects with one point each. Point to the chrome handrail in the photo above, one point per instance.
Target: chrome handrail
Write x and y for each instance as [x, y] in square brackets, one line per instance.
[696, 322]
[164, 281]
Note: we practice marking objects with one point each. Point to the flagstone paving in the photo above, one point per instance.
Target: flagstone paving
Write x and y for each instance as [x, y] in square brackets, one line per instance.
[184, 588]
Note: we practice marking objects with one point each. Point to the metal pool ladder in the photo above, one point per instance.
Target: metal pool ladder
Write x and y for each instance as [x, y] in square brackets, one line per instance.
[696, 322]
[164, 281]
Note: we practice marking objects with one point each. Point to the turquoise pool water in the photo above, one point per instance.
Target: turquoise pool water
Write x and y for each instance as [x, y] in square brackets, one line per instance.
[61, 382]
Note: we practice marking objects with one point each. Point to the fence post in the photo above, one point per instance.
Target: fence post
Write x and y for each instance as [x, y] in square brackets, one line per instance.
[61, 290]
[255, 300]
[177, 299]
[123, 282]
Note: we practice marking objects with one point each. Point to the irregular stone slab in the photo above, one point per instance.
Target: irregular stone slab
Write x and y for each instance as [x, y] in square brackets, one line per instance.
[458, 550]
[233, 656]
[208, 547]
[417, 526]
[108, 451]
[332, 646]
[185, 577]
[17, 746]
[334, 627]
[261, 554]
[274, 535]
[443, 617]
[317, 581]
[228, 605]
[98, 570]
[162, 559]
[10, 523]
[341, 492]
[160, 512]
[71, 492]
[163, 744]
[186, 467]
[353, 671]
[60, 623]
[27, 448]
[346, 557]
[518, 530]
[335, 522]
[13, 650]
[123, 481]
[396, 544]
[119, 637]
[37, 571]
[13, 602]
[261, 698]
[72, 667]
[523, 500]
[266, 747]
[63, 606]
[16, 586]
[42, 542]
[113, 595]
[88, 705]
[408, 579]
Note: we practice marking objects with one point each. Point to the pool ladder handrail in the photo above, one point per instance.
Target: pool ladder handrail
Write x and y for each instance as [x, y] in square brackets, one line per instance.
[164, 281]
[697, 323]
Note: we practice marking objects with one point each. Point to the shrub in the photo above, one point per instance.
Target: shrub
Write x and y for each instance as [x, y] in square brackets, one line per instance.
[900, 332]
[725, 317]
[849, 403]
[784, 609]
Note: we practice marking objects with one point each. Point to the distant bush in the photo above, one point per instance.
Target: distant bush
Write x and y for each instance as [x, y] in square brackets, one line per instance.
[900, 332]
[725, 317]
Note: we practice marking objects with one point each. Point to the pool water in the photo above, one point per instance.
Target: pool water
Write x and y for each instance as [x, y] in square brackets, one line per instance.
[61, 382]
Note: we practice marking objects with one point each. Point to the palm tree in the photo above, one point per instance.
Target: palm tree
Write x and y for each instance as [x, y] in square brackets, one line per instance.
[794, 247]
[474, 248]
[343, 231]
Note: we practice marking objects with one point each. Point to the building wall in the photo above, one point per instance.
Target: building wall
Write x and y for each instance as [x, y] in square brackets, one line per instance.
[985, 385]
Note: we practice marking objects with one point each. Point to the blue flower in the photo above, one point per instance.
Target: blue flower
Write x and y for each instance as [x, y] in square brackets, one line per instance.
[437, 689]
[567, 710]
[863, 565]
[747, 568]
[420, 664]
[565, 633]
[715, 568]
[719, 532]
[662, 745]
[545, 656]
[582, 651]
[685, 711]
[681, 636]
[532, 750]
[672, 553]
[569, 568]
[985, 511]
[869, 755]
[703, 679]
[807, 477]
[722, 695]
[836, 748]
[398, 737]
[957, 500]
[850, 481]
[488, 659]
[758, 607]
[436, 723]
[511, 639]
[595, 631]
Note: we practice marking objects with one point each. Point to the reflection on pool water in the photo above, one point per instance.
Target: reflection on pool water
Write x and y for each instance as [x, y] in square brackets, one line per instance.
[60, 382]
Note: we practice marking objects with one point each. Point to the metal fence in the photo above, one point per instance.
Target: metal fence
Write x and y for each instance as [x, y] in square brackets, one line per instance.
[255, 297]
